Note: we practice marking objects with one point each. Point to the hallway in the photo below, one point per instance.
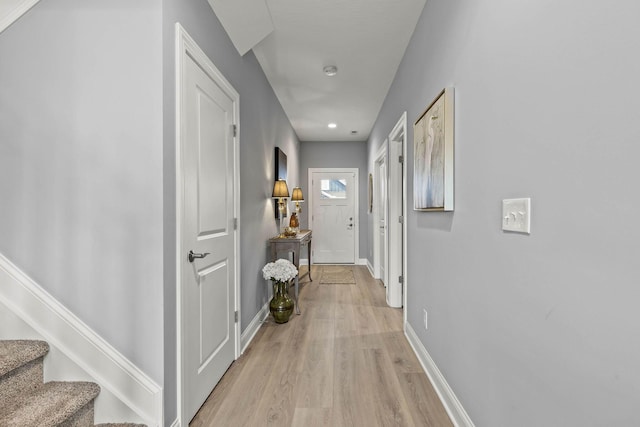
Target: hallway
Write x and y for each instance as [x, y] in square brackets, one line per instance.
[343, 362]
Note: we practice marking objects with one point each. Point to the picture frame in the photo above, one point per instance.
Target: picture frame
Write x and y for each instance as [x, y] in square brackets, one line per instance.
[370, 193]
[280, 164]
[280, 172]
[433, 151]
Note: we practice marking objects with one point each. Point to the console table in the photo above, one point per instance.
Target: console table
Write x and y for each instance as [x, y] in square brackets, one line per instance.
[293, 245]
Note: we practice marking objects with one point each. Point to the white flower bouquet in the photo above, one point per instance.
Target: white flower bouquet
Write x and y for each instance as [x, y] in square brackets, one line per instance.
[282, 270]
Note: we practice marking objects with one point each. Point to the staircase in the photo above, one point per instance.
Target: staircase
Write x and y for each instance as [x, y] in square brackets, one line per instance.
[26, 401]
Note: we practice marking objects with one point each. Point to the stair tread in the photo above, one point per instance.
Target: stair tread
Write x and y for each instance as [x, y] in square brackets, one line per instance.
[49, 405]
[16, 353]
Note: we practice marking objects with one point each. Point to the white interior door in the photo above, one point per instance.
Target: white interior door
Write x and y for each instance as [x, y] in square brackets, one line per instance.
[333, 215]
[382, 215]
[208, 281]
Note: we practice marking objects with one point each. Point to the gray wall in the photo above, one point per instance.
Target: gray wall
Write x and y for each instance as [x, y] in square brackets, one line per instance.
[540, 329]
[81, 164]
[337, 154]
[87, 165]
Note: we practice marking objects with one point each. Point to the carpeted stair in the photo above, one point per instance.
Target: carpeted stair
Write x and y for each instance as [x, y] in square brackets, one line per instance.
[25, 401]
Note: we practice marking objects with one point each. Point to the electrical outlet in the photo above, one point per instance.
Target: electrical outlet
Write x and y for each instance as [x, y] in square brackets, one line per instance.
[425, 319]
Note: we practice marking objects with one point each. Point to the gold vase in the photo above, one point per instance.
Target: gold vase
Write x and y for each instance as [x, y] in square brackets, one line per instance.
[281, 305]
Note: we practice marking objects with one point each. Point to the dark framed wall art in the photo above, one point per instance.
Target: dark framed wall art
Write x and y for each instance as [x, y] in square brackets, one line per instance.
[280, 161]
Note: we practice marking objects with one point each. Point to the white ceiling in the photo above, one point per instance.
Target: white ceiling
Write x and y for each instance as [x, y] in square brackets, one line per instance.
[294, 39]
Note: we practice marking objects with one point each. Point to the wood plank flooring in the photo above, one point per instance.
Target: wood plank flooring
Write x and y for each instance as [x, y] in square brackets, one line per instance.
[343, 362]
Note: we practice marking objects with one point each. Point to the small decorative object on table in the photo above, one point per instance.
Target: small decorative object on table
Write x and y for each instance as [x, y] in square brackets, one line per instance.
[294, 222]
[280, 272]
[294, 226]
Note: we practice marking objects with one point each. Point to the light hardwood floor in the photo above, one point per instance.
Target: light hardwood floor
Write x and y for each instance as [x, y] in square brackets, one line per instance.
[343, 362]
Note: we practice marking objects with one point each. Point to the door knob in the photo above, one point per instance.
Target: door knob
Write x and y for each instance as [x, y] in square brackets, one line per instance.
[192, 255]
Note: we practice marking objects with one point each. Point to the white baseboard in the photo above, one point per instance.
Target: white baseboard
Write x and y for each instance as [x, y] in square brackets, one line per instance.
[370, 268]
[362, 261]
[175, 423]
[12, 10]
[126, 385]
[254, 326]
[458, 415]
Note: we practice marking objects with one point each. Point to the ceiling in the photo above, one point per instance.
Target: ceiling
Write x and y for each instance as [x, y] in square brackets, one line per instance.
[294, 39]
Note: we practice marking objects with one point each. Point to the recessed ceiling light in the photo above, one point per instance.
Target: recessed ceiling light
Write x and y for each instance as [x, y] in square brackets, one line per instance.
[332, 125]
[330, 70]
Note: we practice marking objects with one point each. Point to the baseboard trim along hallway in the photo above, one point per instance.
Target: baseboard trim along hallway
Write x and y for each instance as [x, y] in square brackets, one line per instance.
[254, 326]
[454, 408]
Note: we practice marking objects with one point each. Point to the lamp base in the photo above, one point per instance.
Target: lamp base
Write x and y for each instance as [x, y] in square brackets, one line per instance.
[281, 228]
[290, 232]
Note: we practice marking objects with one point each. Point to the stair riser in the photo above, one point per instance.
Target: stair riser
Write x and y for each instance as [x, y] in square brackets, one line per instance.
[24, 378]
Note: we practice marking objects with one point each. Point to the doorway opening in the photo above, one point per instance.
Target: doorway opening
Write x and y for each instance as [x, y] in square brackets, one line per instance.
[396, 196]
[380, 210]
[389, 230]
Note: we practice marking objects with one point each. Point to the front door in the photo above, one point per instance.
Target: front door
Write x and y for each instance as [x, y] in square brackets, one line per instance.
[333, 217]
[208, 277]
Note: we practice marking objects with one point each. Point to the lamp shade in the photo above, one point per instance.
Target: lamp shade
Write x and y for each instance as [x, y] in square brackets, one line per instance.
[280, 189]
[297, 195]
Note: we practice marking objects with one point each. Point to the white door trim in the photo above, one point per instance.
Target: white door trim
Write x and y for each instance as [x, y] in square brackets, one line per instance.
[380, 157]
[186, 46]
[399, 133]
[356, 226]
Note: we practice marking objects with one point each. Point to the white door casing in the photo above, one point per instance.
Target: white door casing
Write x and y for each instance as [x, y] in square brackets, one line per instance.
[334, 215]
[379, 211]
[382, 218]
[395, 220]
[207, 205]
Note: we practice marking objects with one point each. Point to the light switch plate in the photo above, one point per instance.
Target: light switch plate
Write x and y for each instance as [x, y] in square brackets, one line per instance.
[516, 215]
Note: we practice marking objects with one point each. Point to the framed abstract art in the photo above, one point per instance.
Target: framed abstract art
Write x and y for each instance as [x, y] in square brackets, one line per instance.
[433, 155]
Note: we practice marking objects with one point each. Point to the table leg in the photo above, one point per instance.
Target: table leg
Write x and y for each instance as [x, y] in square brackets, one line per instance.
[309, 259]
[296, 297]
